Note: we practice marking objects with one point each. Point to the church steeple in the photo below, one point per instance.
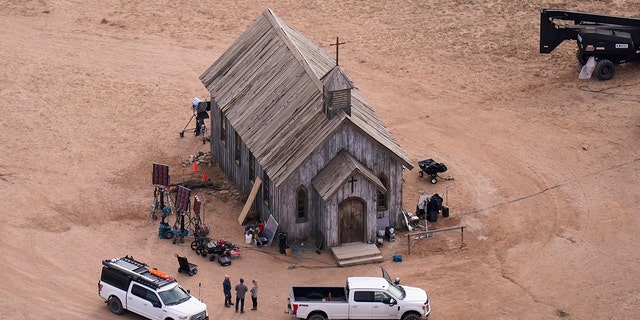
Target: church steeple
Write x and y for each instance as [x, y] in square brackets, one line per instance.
[337, 92]
[336, 88]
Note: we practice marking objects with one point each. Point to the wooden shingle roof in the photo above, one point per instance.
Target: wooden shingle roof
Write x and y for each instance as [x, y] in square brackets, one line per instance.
[268, 86]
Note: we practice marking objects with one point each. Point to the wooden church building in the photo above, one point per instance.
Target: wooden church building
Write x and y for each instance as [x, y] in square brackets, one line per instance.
[285, 116]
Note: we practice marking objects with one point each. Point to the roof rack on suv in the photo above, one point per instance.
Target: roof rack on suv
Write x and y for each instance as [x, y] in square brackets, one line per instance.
[138, 271]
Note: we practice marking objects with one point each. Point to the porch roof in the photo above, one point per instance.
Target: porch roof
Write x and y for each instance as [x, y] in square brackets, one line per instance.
[336, 173]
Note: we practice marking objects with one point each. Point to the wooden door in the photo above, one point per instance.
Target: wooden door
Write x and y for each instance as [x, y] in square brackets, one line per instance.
[351, 214]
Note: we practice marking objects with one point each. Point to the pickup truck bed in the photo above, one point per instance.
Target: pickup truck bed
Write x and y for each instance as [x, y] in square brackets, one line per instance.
[319, 294]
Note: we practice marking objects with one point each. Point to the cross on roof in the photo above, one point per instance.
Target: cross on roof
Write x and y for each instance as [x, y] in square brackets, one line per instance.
[337, 44]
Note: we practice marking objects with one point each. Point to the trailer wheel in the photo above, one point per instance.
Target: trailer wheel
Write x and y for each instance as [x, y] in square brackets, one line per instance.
[421, 174]
[115, 305]
[168, 235]
[411, 316]
[316, 316]
[434, 180]
[582, 57]
[605, 69]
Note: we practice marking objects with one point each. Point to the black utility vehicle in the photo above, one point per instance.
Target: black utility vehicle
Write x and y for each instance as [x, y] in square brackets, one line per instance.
[610, 40]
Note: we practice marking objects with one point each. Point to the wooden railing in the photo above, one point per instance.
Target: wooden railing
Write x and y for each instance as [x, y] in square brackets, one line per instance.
[428, 232]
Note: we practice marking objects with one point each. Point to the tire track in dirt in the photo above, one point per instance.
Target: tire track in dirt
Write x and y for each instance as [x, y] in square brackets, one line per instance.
[545, 190]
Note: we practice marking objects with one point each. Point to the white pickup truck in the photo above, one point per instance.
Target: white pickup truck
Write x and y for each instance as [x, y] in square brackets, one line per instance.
[127, 284]
[361, 298]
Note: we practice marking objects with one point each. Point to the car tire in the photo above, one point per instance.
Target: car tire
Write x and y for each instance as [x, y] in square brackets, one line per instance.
[605, 69]
[115, 305]
[317, 316]
[411, 316]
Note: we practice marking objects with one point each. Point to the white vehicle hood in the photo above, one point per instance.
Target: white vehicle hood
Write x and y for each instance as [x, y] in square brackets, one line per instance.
[415, 294]
[190, 307]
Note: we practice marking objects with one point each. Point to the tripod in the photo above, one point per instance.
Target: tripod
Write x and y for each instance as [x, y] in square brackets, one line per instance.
[200, 109]
[159, 195]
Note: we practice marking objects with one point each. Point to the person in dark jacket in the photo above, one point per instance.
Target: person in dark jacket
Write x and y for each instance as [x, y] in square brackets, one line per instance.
[241, 290]
[226, 288]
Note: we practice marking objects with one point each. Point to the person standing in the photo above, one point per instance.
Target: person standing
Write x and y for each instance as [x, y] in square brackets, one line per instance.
[241, 290]
[226, 288]
[254, 294]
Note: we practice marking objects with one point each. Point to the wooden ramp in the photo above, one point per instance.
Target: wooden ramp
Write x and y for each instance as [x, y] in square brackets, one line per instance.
[349, 254]
[249, 202]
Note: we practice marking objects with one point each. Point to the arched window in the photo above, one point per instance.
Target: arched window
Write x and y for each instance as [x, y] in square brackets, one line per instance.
[302, 207]
[382, 196]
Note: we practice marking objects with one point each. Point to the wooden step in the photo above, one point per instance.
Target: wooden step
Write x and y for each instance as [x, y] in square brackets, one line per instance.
[363, 260]
[349, 254]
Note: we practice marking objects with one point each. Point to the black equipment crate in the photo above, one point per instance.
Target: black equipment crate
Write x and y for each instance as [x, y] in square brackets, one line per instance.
[224, 260]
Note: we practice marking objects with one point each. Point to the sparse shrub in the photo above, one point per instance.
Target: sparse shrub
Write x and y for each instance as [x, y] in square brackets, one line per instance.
[216, 184]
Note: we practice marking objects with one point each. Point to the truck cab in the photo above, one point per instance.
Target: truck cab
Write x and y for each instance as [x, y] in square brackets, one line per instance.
[374, 298]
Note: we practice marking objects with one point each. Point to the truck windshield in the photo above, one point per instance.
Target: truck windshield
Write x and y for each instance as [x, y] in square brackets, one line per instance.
[176, 295]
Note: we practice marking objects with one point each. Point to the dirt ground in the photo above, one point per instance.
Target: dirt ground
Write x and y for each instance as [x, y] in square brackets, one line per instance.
[545, 166]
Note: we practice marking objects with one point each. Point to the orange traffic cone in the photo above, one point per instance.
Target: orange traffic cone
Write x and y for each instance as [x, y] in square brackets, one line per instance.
[204, 177]
[195, 167]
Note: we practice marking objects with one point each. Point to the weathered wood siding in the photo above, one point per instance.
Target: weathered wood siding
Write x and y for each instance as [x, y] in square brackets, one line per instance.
[363, 190]
[267, 85]
[321, 216]
[224, 153]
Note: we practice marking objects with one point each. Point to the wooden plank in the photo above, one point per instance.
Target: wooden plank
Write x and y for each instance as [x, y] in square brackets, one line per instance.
[252, 196]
